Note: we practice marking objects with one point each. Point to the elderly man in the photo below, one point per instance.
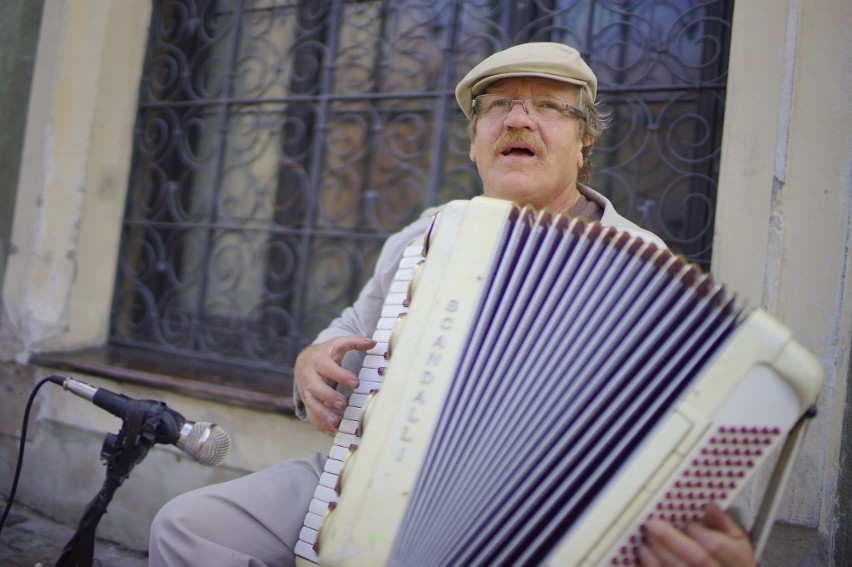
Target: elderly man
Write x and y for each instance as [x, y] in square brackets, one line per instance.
[533, 123]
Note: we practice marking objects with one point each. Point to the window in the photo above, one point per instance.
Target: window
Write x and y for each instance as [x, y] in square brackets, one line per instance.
[278, 144]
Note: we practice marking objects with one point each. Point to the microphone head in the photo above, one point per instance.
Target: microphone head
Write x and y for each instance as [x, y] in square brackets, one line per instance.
[207, 443]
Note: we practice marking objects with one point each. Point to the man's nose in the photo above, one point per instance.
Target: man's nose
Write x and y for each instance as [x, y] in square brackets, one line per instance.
[518, 113]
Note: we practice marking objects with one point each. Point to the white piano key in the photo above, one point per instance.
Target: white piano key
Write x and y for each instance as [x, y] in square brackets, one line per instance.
[408, 262]
[333, 466]
[379, 350]
[353, 414]
[338, 452]
[367, 386]
[328, 480]
[399, 286]
[348, 426]
[346, 440]
[392, 311]
[382, 336]
[308, 535]
[378, 361]
[370, 374]
[313, 521]
[413, 249]
[325, 494]
[318, 507]
[306, 551]
[396, 298]
[375, 361]
[358, 400]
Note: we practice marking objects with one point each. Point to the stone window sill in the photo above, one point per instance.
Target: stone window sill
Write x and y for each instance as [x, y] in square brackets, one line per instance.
[262, 390]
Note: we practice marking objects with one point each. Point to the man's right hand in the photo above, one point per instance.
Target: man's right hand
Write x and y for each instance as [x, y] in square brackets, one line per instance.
[318, 371]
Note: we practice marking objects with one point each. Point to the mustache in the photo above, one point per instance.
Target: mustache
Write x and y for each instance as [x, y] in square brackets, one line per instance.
[515, 137]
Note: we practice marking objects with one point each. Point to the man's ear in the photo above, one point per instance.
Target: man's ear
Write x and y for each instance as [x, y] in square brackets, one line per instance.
[588, 142]
[471, 131]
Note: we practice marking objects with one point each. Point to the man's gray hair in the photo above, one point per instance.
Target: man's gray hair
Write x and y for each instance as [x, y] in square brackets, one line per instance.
[597, 120]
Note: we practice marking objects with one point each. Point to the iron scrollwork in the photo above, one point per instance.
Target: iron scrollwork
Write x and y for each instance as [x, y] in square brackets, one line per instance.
[278, 143]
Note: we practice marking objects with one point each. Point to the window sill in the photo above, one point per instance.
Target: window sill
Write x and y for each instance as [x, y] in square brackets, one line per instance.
[256, 389]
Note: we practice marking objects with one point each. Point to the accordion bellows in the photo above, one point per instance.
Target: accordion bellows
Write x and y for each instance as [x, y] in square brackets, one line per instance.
[554, 383]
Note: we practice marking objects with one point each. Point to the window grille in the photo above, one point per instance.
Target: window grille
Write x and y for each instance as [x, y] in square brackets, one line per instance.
[278, 143]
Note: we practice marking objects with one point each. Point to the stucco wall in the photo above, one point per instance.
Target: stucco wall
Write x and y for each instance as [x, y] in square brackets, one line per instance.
[19, 27]
[73, 176]
[783, 222]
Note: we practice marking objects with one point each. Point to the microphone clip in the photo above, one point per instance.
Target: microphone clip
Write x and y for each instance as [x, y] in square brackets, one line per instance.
[144, 424]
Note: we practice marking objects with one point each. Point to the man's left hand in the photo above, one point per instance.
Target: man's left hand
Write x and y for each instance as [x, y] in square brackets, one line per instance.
[716, 542]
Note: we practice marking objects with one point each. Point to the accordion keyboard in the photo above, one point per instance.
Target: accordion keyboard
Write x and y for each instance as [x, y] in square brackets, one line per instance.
[370, 380]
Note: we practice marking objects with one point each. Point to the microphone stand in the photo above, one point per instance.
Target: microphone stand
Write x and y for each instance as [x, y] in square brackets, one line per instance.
[141, 428]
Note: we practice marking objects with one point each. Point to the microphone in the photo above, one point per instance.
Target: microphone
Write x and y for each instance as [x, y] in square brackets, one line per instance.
[207, 443]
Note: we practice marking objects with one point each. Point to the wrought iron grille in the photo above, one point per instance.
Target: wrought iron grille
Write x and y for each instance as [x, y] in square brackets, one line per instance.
[278, 143]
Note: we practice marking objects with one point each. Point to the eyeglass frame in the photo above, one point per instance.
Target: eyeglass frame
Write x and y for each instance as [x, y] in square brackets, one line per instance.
[566, 108]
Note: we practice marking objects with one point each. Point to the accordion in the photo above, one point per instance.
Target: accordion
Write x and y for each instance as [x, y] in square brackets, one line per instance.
[553, 384]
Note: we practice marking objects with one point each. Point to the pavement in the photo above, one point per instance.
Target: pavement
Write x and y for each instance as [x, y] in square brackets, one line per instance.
[30, 539]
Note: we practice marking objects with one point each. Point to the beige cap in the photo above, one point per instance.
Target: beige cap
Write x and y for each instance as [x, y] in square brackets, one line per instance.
[540, 59]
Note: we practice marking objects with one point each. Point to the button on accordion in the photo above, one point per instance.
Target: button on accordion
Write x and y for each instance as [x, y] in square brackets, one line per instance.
[553, 384]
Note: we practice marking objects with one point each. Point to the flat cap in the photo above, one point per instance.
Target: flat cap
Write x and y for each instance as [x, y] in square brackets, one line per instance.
[537, 59]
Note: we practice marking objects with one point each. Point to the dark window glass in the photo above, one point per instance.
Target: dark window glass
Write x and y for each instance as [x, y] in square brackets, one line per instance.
[278, 143]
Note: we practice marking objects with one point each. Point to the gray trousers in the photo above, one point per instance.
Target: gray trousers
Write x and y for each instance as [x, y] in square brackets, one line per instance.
[250, 521]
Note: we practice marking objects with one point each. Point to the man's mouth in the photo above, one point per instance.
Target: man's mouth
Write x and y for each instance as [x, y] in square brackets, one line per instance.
[517, 151]
[513, 144]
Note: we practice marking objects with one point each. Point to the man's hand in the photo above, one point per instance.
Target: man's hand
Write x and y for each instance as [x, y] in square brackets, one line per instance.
[716, 542]
[318, 370]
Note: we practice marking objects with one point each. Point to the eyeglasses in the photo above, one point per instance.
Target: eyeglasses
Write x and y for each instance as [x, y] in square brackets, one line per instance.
[539, 107]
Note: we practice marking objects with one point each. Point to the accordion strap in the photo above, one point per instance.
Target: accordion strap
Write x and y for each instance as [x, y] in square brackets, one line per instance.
[764, 520]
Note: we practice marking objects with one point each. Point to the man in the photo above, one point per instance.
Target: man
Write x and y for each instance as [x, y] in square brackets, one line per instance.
[533, 122]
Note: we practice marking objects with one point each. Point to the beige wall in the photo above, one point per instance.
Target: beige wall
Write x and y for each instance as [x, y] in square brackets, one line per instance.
[782, 235]
[73, 176]
[784, 223]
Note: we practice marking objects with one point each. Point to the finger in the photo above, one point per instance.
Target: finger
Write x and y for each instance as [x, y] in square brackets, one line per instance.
[331, 373]
[325, 396]
[723, 539]
[324, 405]
[322, 417]
[338, 347]
[325, 358]
[647, 557]
[654, 555]
[674, 547]
[716, 519]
